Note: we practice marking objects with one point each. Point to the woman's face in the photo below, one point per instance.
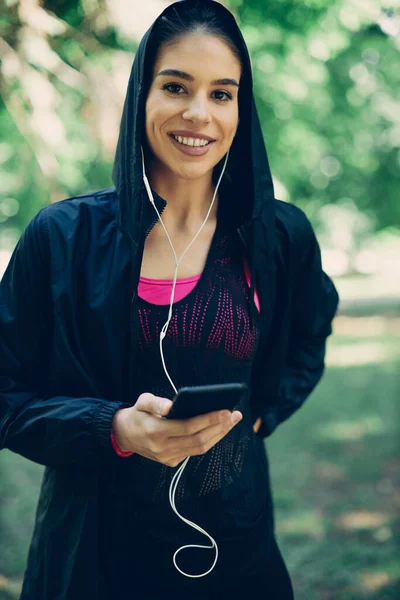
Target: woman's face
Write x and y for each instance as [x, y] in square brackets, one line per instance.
[192, 105]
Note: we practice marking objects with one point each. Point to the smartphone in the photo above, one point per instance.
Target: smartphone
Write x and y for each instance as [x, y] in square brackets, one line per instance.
[199, 400]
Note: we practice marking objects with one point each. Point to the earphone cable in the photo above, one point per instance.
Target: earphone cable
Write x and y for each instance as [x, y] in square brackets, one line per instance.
[177, 476]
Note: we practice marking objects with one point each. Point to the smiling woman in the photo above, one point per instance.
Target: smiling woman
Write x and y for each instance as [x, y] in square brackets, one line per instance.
[192, 105]
[95, 344]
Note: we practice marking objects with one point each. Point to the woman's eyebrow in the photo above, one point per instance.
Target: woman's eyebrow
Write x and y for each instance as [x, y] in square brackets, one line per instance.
[183, 75]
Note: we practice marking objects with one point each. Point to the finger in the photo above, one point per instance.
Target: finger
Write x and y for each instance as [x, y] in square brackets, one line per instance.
[188, 427]
[198, 450]
[212, 436]
[257, 425]
[155, 405]
[201, 441]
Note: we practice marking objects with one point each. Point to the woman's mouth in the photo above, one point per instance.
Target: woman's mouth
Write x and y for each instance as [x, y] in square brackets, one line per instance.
[192, 146]
[189, 141]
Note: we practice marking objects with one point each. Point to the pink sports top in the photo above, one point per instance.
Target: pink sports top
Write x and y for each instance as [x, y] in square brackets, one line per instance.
[158, 291]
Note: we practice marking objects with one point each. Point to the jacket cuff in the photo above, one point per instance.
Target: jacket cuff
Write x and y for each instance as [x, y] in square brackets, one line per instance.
[102, 422]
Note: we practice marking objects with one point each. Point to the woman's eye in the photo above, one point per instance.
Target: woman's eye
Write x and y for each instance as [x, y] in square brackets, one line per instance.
[222, 96]
[174, 88]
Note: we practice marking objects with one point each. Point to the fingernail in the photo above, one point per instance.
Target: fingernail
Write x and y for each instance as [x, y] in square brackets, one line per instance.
[236, 418]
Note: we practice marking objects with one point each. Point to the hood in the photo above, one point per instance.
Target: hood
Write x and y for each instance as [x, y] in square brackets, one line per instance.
[248, 174]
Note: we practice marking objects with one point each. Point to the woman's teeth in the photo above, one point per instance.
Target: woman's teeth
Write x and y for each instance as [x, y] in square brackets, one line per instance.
[187, 141]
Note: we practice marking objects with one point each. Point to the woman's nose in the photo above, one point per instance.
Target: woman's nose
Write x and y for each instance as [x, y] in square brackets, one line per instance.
[197, 110]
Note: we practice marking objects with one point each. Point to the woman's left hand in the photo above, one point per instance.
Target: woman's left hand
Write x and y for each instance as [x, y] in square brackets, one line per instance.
[257, 425]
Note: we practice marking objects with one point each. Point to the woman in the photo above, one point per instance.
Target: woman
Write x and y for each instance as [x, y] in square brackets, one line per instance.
[84, 300]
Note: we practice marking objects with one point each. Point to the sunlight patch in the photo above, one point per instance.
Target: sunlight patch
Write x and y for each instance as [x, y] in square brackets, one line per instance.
[371, 581]
[360, 354]
[353, 430]
[361, 519]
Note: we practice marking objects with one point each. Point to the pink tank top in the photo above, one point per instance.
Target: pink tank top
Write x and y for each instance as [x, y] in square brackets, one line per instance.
[158, 291]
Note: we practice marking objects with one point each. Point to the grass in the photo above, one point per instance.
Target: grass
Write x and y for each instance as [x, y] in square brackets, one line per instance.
[335, 476]
[335, 471]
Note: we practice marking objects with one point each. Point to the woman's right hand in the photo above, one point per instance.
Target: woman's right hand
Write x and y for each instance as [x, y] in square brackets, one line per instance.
[141, 429]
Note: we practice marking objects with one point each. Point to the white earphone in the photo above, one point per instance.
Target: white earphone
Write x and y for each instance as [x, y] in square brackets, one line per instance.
[178, 474]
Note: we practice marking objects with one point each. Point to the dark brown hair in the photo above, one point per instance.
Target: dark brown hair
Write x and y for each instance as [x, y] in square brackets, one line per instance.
[189, 16]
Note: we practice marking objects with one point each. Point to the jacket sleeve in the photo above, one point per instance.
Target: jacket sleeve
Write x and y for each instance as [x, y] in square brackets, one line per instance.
[59, 430]
[314, 305]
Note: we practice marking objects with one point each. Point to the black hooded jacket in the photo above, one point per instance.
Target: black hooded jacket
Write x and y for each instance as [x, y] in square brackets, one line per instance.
[68, 327]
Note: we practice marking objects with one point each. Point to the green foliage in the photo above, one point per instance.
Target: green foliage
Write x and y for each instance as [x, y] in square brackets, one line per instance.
[325, 79]
[64, 69]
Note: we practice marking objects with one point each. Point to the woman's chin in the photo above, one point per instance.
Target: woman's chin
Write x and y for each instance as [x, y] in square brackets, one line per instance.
[192, 172]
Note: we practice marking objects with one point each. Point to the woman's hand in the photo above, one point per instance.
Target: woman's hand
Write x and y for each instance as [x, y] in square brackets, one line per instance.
[257, 425]
[141, 429]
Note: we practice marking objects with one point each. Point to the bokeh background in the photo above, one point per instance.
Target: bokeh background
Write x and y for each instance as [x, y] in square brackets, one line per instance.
[327, 76]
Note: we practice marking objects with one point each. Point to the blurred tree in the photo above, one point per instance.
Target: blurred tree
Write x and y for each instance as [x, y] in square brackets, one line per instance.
[325, 75]
[327, 79]
[64, 70]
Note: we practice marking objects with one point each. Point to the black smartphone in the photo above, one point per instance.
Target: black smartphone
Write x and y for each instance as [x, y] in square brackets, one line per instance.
[199, 400]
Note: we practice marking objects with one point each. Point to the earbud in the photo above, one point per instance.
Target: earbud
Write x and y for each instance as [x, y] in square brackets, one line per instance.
[145, 180]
